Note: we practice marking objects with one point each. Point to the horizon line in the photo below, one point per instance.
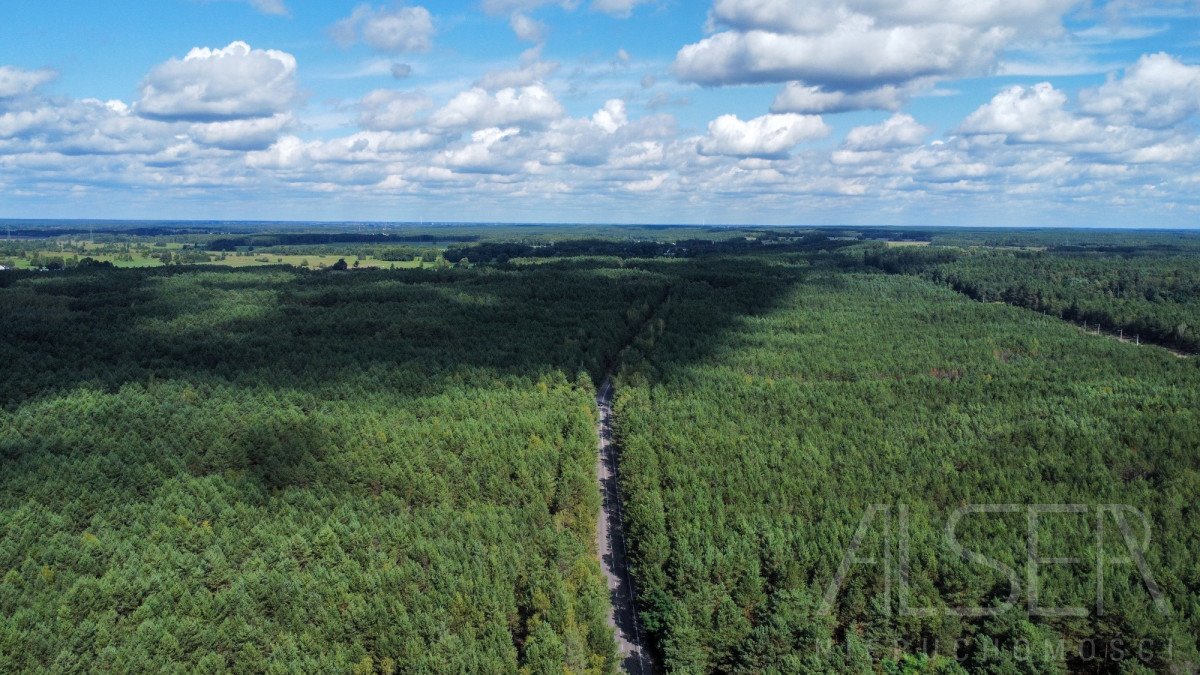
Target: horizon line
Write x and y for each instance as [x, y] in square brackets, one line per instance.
[452, 223]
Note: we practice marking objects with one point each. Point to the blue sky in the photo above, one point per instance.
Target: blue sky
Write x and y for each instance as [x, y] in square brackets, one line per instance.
[994, 112]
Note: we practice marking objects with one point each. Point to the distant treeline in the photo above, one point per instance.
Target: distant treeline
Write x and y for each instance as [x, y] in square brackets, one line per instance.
[148, 231]
[502, 252]
[1067, 240]
[895, 235]
[311, 238]
[1123, 249]
[1151, 294]
[690, 248]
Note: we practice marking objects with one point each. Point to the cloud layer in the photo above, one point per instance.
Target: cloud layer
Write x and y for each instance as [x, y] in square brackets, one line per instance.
[616, 135]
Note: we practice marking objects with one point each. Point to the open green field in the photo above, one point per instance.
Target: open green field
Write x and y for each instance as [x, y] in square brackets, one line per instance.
[315, 261]
[259, 260]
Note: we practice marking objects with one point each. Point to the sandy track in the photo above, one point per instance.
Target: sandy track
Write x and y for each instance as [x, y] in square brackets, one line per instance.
[610, 542]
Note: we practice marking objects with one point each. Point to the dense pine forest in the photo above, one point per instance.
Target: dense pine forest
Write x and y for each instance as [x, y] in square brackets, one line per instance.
[1148, 294]
[287, 471]
[284, 469]
[750, 463]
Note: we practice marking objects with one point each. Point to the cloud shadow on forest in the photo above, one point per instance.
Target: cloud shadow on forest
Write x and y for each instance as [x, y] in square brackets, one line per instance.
[414, 332]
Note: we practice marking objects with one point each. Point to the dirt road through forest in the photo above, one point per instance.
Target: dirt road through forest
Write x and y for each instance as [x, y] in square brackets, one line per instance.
[610, 542]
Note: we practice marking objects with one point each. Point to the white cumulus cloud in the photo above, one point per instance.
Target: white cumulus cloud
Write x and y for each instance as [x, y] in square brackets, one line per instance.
[532, 71]
[1158, 91]
[249, 134]
[1031, 115]
[17, 82]
[210, 85]
[476, 108]
[769, 136]
[391, 110]
[800, 98]
[395, 30]
[617, 8]
[272, 7]
[485, 153]
[527, 29]
[851, 54]
[801, 16]
[898, 131]
[612, 116]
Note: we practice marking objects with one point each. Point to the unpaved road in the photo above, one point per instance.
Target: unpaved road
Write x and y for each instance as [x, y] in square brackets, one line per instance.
[610, 542]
